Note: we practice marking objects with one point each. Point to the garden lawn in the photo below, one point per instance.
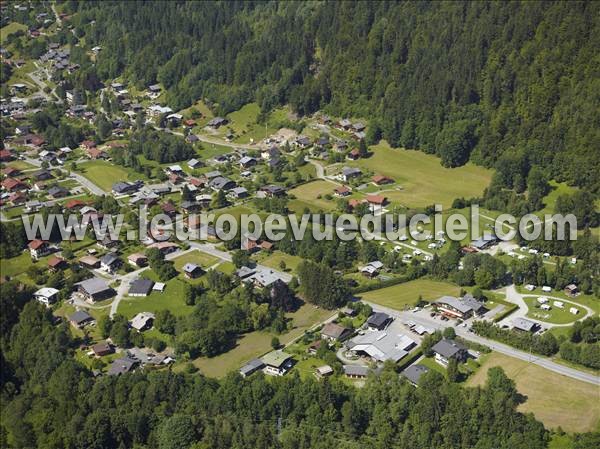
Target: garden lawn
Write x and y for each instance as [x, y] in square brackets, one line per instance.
[172, 299]
[405, 295]
[198, 257]
[274, 259]
[423, 179]
[312, 195]
[554, 399]
[104, 174]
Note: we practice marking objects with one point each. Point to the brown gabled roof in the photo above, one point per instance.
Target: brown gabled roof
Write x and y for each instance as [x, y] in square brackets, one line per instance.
[54, 262]
[376, 199]
[37, 243]
[11, 183]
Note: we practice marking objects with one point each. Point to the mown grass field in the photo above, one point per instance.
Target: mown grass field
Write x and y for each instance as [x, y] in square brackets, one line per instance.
[274, 260]
[423, 179]
[403, 295]
[554, 399]
[104, 174]
[198, 257]
[312, 195]
[11, 28]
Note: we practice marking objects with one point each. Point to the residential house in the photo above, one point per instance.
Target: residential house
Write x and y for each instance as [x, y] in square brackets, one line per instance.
[57, 192]
[192, 271]
[89, 262]
[110, 262]
[277, 363]
[101, 349]
[140, 287]
[95, 289]
[56, 263]
[221, 183]
[459, 308]
[358, 371]
[571, 290]
[46, 295]
[379, 321]
[126, 188]
[376, 202]
[138, 260]
[353, 155]
[372, 269]
[217, 122]
[414, 372]
[446, 349]
[80, 318]
[272, 191]
[323, 371]
[194, 164]
[349, 173]
[381, 180]
[142, 321]
[165, 247]
[342, 191]
[334, 332]
[239, 193]
[122, 366]
[13, 185]
[247, 162]
[271, 153]
[39, 248]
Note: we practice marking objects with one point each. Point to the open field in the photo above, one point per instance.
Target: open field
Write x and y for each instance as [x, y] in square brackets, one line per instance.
[402, 295]
[423, 179]
[586, 300]
[312, 195]
[558, 189]
[274, 259]
[20, 165]
[257, 343]
[199, 258]
[11, 28]
[554, 399]
[104, 174]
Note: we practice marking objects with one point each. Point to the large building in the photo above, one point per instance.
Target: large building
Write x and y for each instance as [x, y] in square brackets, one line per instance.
[462, 308]
[381, 346]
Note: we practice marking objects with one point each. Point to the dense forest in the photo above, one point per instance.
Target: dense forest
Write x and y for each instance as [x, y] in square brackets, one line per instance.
[489, 82]
[49, 400]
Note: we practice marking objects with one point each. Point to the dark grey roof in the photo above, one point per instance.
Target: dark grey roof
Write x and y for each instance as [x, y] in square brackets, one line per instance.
[109, 259]
[141, 287]
[378, 319]
[448, 348]
[220, 182]
[94, 285]
[414, 372]
[121, 366]
[523, 324]
[81, 316]
[356, 370]
[251, 366]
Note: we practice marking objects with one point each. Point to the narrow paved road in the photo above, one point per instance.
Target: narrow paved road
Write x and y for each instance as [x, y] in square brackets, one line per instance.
[93, 188]
[544, 362]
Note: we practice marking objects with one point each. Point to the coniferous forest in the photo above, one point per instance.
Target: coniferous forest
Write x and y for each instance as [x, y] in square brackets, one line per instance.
[496, 83]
